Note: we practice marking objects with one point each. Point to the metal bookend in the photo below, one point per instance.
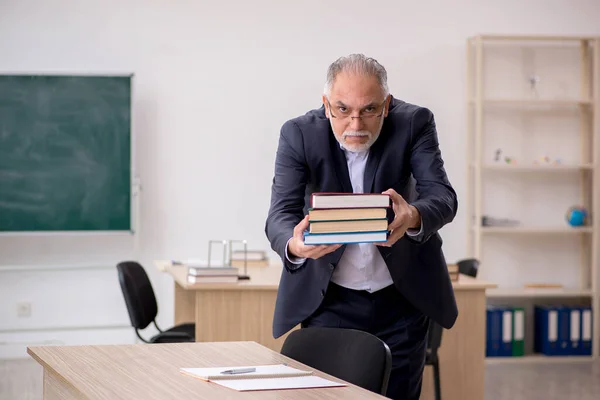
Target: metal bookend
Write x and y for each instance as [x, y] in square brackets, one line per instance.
[245, 243]
[224, 243]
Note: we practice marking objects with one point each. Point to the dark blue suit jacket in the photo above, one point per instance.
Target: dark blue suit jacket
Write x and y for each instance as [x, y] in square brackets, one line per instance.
[405, 157]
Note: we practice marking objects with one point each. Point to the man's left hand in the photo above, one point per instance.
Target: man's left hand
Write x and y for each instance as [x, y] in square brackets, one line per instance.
[406, 217]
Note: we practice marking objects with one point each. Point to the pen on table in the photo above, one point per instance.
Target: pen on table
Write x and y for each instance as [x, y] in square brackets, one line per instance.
[239, 371]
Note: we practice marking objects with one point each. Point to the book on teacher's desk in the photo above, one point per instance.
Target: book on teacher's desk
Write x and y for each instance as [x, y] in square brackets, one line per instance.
[321, 200]
[254, 255]
[212, 279]
[346, 214]
[345, 238]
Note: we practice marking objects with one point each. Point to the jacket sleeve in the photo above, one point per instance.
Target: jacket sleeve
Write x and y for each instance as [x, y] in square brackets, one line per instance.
[437, 202]
[287, 192]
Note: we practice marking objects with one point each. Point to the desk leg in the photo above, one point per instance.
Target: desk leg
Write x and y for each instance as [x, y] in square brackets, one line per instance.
[56, 388]
[462, 353]
[236, 315]
[185, 305]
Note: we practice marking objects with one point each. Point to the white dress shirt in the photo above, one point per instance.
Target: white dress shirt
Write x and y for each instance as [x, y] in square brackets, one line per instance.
[361, 266]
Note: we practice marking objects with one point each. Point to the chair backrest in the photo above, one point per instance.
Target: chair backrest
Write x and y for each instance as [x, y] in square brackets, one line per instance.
[468, 266]
[352, 355]
[138, 293]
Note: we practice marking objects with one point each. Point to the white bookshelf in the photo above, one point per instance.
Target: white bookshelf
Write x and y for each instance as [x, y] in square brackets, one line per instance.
[535, 359]
[533, 230]
[533, 148]
[538, 293]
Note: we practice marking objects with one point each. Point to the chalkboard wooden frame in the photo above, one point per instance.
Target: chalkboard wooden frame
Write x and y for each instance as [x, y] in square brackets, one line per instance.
[124, 172]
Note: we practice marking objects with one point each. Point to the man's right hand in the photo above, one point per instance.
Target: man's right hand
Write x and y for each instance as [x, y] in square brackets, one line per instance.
[297, 248]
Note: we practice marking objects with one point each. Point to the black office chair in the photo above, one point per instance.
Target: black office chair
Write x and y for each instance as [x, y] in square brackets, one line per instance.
[142, 308]
[352, 355]
[434, 340]
[467, 266]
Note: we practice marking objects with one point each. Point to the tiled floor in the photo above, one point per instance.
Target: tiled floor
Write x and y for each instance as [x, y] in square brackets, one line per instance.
[22, 380]
[537, 381]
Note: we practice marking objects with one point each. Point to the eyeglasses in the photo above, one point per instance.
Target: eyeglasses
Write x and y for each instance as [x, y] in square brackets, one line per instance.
[368, 113]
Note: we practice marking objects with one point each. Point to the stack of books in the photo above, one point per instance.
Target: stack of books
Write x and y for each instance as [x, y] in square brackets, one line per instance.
[198, 272]
[453, 271]
[343, 218]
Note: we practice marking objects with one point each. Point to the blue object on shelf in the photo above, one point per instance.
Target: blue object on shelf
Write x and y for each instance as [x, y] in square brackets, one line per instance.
[577, 216]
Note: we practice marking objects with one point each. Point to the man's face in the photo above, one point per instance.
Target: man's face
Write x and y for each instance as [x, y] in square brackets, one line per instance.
[356, 108]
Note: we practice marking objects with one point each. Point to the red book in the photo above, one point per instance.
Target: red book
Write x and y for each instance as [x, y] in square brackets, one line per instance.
[324, 200]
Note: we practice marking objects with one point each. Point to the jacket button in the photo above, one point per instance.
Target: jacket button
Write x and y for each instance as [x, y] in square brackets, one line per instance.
[331, 266]
[322, 293]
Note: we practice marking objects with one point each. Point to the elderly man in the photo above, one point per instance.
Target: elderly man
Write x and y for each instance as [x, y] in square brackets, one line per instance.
[363, 140]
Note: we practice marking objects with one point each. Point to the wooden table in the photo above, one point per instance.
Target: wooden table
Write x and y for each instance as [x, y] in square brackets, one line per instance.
[228, 312]
[244, 311]
[462, 352]
[151, 371]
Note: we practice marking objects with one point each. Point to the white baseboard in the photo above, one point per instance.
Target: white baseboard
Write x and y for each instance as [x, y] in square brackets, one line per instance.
[13, 345]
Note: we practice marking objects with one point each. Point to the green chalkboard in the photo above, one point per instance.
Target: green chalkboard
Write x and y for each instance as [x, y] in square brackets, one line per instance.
[65, 153]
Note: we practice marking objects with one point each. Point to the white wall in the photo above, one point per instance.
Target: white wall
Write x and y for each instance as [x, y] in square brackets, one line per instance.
[214, 81]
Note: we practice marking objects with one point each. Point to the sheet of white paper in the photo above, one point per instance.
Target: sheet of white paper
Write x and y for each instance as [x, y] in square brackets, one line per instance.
[296, 382]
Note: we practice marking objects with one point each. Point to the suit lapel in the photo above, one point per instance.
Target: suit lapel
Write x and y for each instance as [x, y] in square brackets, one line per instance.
[341, 165]
[373, 163]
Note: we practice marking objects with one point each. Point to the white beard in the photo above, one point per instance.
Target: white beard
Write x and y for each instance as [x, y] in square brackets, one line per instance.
[358, 147]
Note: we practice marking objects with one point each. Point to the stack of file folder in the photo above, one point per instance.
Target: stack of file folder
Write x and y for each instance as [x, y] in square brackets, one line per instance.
[559, 330]
[505, 331]
[562, 330]
[453, 272]
[343, 218]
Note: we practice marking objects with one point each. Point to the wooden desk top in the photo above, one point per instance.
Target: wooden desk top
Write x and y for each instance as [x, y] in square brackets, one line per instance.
[267, 278]
[151, 371]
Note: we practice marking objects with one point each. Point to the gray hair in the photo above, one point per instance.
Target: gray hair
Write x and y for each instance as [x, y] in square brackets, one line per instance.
[359, 64]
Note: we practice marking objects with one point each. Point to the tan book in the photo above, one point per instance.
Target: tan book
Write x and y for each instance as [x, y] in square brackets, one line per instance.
[543, 286]
[371, 225]
[256, 255]
[346, 214]
[250, 263]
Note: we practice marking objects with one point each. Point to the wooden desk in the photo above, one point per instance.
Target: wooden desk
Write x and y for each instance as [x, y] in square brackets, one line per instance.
[229, 312]
[143, 371]
[244, 311]
[462, 353]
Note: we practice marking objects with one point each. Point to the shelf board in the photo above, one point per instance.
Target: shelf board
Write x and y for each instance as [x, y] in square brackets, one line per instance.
[519, 38]
[535, 102]
[538, 358]
[536, 230]
[537, 292]
[537, 168]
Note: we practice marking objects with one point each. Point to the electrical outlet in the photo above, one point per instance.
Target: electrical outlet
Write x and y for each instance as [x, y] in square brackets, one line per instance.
[23, 310]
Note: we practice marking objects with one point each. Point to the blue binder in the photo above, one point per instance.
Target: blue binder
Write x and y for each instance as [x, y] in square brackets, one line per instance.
[546, 332]
[564, 330]
[499, 331]
[586, 330]
[574, 348]
[493, 331]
